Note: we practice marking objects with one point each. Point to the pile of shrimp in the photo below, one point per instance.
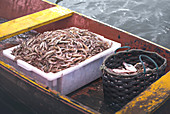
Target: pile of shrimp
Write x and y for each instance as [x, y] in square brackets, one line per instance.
[53, 51]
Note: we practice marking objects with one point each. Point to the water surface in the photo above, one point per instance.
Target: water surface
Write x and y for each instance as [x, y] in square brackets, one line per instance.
[149, 19]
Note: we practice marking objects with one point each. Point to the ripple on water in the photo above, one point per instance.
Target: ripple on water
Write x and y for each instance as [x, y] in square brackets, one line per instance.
[149, 19]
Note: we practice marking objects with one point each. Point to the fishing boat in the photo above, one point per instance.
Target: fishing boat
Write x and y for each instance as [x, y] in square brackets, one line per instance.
[35, 97]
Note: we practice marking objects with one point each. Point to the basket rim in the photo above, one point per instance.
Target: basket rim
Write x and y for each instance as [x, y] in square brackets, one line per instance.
[132, 75]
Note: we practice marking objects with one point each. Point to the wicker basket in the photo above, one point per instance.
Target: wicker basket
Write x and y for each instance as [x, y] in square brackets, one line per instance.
[120, 89]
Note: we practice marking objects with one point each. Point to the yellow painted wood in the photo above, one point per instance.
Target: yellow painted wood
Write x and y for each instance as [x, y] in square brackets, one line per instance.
[32, 21]
[49, 2]
[150, 99]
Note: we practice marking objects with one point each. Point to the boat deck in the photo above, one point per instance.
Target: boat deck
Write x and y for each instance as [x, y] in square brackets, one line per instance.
[92, 96]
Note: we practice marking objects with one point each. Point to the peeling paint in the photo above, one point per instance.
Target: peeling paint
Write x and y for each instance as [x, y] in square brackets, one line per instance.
[151, 97]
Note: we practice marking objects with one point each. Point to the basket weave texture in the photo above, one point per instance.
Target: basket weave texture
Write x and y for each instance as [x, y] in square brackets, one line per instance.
[120, 89]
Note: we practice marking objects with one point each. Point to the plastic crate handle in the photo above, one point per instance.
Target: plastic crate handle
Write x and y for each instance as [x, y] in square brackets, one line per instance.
[140, 58]
[123, 48]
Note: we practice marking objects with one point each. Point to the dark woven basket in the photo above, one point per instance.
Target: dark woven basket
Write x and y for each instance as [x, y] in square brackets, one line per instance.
[120, 89]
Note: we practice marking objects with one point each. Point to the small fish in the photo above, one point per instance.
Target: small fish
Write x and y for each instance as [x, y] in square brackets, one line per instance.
[64, 48]
[141, 70]
[129, 67]
[122, 71]
[139, 65]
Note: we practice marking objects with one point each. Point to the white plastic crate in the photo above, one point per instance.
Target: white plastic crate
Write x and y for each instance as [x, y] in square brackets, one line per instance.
[70, 79]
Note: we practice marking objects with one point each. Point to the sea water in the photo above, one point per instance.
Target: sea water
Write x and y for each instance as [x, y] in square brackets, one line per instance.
[149, 19]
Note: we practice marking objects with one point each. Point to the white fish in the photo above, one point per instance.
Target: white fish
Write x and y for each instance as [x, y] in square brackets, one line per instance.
[129, 67]
[122, 71]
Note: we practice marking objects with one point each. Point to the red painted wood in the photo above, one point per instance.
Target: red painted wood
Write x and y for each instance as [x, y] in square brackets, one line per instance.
[11, 9]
